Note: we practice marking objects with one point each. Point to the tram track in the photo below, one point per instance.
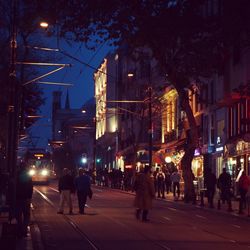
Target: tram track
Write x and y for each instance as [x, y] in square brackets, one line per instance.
[84, 235]
[69, 221]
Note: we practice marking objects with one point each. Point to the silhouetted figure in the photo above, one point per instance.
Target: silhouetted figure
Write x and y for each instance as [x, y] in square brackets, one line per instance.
[160, 180]
[144, 187]
[83, 187]
[24, 191]
[155, 180]
[244, 183]
[167, 181]
[224, 184]
[210, 184]
[175, 178]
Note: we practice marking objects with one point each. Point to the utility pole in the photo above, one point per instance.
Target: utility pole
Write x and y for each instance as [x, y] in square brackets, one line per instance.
[150, 127]
[13, 109]
[13, 100]
[94, 151]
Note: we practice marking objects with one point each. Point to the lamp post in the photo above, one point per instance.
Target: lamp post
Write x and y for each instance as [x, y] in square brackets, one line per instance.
[13, 111]
[94, 152]
[150, 125]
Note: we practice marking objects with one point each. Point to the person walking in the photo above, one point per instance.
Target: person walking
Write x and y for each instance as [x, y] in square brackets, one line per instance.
[145, 192]
[244, 184]
[210, 184]
[83, 189]
[160, 180]
[155, 173]
[167, 181]
[24, 191]
[66, 187]
[224, 184]
[175, 179]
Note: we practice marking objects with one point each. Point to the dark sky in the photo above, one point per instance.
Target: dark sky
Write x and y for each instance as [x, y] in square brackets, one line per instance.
[80, 75]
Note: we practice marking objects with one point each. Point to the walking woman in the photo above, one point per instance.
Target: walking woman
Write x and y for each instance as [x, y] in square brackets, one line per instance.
[145, 192]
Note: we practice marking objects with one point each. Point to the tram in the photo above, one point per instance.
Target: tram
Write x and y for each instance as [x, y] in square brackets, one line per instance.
[40, 165]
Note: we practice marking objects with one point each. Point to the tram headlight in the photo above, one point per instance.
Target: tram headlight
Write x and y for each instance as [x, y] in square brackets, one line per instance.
[32, 172]
[44, 172]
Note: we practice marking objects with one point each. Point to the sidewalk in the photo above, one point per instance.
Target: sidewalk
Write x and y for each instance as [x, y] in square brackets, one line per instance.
[223, 207]
[11, 242]
[218, 205]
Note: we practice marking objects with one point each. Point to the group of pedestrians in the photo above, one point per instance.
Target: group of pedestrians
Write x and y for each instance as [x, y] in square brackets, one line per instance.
[68, 185]
[224, 184]
[146, 185]
[165, 182]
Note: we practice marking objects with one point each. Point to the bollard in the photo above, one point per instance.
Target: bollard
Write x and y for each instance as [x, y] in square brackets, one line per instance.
[248, 206]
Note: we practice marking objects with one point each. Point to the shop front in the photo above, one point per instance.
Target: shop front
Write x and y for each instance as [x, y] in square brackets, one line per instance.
[237, 159]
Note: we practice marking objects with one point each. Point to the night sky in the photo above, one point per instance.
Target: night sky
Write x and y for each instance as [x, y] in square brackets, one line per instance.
[80, 75]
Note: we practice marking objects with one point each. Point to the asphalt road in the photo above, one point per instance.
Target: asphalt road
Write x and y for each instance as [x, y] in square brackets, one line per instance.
[109, 223]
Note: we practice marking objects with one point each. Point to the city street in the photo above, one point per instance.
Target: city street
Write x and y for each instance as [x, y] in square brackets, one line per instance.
[110, 223]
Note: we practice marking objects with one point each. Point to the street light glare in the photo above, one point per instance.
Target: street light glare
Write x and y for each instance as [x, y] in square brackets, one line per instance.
[44, 25]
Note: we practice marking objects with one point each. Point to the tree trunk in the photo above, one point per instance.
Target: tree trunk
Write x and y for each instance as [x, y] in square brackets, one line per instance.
[192, 142]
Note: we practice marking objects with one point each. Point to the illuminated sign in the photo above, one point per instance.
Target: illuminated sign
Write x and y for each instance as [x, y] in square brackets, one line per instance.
[197, 152]
[39, 155]
[219, 149]
[128, 166]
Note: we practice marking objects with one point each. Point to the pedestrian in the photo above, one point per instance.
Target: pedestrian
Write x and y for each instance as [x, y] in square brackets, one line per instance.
[83, 189]
[224, 184]
[144, 187]
[160, 180]
[175, 179]
[167, 181]
[155, 180]
[66, 188]
[24, 191]
[210, 185]
[244, 184]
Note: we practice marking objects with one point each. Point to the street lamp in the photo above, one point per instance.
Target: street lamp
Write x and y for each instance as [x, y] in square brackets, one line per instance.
[44, 25]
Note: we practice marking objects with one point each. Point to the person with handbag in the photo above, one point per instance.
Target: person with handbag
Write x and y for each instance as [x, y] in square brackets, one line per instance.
[83, 189]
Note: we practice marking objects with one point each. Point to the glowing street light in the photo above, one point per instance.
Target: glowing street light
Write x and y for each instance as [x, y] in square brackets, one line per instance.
[84, 160]
[44, 25]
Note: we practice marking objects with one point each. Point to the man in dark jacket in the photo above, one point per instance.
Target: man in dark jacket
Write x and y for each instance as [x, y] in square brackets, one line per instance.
[66, 187]
[83, 189]
[224, 184]
[210, 184]
[24, 190]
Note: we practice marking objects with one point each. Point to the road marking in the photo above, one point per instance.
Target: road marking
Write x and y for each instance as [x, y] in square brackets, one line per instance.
[200, 216]
[233, 241]
[173, 209]
[54, 189]
[237, 226]
[45, 197]
[166, 218]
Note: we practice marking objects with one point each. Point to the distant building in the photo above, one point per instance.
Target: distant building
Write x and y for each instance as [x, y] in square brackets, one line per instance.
[72, 133]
